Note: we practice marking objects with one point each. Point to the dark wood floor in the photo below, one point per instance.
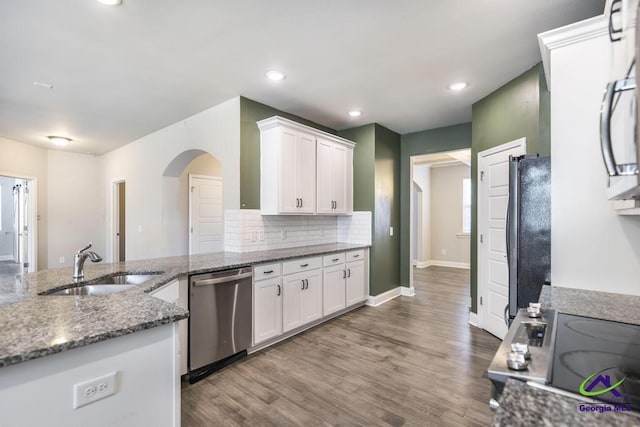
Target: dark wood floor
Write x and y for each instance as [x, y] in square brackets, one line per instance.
[411, 361]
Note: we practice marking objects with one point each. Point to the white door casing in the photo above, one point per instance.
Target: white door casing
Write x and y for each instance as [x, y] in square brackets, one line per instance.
[493, 193]
[206, 226]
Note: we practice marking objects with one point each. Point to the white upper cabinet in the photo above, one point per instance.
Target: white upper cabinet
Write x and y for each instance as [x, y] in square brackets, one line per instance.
[304, 170]
[334, 178]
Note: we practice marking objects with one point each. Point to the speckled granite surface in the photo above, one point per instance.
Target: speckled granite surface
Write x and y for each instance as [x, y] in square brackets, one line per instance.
[34, 325]
[601, 305]
[522, 405]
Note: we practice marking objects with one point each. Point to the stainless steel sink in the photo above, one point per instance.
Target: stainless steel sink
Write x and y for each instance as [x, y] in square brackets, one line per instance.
[95, 290]
[111, 284]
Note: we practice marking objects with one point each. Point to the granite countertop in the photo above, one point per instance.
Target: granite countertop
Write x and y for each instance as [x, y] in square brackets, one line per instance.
[35, 325]
[524, 405]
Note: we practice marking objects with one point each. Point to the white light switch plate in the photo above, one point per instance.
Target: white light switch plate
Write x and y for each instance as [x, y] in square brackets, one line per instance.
[94, 390]
[390, 231]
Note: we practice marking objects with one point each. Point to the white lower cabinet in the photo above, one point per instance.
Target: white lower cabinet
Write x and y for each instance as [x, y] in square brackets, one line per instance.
[267, 309]
[356, 284]
[333, 288]
[302, 299]
[176, 292]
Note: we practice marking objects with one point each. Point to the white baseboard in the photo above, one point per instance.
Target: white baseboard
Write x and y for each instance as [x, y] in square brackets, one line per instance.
[438, 263]
[6, 257]
[407, 292]
[375, 301]
[473, 319]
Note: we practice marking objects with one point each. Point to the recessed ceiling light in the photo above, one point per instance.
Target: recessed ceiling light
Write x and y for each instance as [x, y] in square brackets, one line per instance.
[355, 113]
[110, 2]
[60, 141]
[43, 85]
[458, 85]
[275, 75]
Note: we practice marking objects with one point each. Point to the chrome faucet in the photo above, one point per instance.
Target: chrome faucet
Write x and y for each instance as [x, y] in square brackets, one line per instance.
[80, 257]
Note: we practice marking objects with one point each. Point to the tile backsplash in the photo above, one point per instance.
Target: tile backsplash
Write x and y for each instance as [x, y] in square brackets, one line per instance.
[245, 230]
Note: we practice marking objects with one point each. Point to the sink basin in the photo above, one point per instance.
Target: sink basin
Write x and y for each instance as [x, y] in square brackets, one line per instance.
[95, 290]
[125, 279]
[111, 284]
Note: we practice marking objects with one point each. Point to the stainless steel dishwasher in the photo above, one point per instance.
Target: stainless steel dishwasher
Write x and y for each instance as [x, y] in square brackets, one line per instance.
[219, 321]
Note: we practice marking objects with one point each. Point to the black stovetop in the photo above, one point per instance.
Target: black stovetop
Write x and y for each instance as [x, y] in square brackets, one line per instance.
[593, 355]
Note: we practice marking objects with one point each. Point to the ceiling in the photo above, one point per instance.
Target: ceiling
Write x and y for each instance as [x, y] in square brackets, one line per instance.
[119, 73]
[448, 158]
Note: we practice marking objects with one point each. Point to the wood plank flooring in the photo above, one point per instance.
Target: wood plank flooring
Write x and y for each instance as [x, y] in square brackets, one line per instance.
[412, 361]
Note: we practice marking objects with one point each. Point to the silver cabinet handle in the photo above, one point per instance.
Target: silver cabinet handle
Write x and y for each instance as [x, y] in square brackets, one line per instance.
[344, 274]
[301, 202]
[267, 272]
[279, 291]
[224, 279]
[356, 255]
[335, 259]
[348, 272]
[306, 281]
[304, 265]
[302, 284]
[297, 202]
[613, 169]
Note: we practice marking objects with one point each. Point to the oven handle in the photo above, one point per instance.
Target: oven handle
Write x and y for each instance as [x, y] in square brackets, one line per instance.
[613, 169]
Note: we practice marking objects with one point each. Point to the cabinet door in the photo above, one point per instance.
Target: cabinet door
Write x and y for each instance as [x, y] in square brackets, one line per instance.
[267, 311]
[339, 176]
[324, 177]
[333, 289]
[311, 297]
[306, 172]
[349, 182]
[356, 286]
[288, 171]
[291, 305]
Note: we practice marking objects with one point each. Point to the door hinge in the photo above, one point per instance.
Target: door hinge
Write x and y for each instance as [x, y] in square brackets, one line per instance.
[481, 175]
[480, 300]
[482, 238]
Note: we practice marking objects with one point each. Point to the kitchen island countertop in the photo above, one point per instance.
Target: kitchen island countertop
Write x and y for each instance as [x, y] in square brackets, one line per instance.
[35, 325]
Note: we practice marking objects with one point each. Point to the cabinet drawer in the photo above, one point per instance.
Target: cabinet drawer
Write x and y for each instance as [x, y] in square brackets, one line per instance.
[302, 264]
[355, 255]
[333, 259]
[266, 271]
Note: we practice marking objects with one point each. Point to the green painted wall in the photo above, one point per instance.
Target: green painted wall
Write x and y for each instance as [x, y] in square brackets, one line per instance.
[521, 108]
[251, 112]
[448, 138]
[376, 188]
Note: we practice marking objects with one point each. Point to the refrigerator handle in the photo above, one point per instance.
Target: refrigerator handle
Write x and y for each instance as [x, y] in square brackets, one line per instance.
[506, 315]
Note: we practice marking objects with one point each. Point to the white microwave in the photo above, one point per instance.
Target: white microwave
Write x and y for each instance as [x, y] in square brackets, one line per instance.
[619, 112]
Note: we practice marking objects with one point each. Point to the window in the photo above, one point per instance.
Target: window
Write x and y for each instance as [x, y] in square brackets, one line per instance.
[466, 206]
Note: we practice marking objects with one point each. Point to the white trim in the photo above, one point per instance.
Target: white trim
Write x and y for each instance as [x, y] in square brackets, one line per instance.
[520, 142]
[375, 301]
[114, 239]
[276, 121]
[473, 319]
[407, 292]
[568, 35]
[6, 257]
[438, 263]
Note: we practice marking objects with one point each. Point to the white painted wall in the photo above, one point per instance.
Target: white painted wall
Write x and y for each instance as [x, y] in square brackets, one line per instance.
[143, 162]
[22, 160]
[446, 215]
[422, 235]
[591, 246]
[175, 204]
[40, 392]
[75, 206]
[6, 217]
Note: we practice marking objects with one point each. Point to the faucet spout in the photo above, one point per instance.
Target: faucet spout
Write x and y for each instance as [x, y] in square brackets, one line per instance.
[80, 257]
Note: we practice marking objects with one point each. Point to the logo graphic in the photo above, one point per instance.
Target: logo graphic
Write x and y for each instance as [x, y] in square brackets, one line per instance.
[588, 386]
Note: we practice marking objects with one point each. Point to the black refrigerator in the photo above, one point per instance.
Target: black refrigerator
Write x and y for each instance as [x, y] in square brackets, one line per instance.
[528, 230]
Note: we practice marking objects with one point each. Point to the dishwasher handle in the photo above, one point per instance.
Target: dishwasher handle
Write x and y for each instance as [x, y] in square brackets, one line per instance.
[225, 279]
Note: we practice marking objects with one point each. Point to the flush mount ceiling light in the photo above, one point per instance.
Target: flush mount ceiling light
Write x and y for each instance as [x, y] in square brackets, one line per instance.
[355, 113]
[60, 141]
[110, 2]
[275, 75]
[458, 86]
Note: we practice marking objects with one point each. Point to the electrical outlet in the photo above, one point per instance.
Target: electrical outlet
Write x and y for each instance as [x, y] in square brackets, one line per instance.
[94, 390]
[443, 251]
[61, 260]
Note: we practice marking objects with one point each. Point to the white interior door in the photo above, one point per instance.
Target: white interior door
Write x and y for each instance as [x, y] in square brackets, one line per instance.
[493, 274]
[205, 214]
